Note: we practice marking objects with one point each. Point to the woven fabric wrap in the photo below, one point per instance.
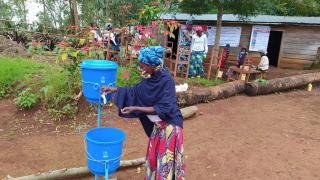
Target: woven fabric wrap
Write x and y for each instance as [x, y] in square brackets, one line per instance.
[152, 55]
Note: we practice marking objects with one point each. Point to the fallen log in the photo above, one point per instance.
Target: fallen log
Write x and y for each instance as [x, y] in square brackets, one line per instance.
[189, 98]
[281, 84]
[67, 173]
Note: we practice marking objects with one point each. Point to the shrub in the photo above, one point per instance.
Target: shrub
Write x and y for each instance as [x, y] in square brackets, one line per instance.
[133, 76]
[26, 99]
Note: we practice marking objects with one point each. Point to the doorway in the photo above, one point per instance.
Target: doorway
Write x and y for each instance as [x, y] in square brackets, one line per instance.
[175, 42]
[274, 46]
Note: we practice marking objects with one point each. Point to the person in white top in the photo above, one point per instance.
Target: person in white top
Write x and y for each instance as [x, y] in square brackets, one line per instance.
[108, 33]
[94, 31]
[199, 49]
[264, 61]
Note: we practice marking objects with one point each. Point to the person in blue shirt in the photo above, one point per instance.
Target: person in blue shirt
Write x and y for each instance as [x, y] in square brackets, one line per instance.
[153, 101]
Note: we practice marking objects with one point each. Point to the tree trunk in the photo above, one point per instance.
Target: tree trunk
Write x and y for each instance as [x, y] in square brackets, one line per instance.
[71, 13]
[24, 11]
[215, 49]
[45, 17]
[209, 94]
[68, 173]
[74, 17]
[282, 84]
[106, 4]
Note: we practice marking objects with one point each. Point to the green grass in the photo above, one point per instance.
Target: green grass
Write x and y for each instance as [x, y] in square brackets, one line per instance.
[314, 66]
[203, 82]
[55, 90]
[46, 81]
[15, 69]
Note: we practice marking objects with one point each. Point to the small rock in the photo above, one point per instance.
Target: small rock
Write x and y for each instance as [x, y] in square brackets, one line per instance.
[138, 170]
[200, 113]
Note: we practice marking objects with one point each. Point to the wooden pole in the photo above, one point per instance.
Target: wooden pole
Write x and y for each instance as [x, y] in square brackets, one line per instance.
[215, 50]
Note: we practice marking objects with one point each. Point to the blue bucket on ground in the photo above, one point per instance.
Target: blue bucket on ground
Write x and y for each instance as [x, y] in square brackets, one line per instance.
[95, 74]
[104, 147]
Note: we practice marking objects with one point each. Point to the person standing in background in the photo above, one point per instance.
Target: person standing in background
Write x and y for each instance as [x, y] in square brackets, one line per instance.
[187, 34]
[225, 56]
[199, 49]
[95, 31]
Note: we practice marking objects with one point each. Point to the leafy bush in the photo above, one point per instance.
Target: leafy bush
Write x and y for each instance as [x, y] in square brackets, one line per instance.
[26, 99]
[37, 48]
[3, 91]
[55, 89]
[57, 92]
[132, 73]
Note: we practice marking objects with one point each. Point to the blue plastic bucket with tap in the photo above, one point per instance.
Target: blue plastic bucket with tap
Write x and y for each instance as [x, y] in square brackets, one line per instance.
[95, 74]
[104, 149]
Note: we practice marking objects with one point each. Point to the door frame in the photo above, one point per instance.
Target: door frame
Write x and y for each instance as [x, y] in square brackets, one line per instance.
[282, 29]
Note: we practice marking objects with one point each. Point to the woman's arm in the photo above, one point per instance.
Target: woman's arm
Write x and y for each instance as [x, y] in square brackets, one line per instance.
[130, 109]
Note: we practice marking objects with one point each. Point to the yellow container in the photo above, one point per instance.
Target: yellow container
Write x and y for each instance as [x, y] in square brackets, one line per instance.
[309, 87]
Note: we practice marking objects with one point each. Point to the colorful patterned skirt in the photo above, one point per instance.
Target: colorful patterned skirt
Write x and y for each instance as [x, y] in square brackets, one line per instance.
[165, 159]
[196, 66]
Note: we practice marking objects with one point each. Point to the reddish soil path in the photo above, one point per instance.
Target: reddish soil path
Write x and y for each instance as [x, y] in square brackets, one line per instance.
[265, 137]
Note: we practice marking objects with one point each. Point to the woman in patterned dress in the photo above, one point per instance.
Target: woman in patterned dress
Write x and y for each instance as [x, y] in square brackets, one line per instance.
[199, 49]
[153, 101]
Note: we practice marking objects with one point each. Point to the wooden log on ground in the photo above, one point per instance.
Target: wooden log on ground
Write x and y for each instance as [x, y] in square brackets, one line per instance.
[281, 84]
[209, 94]
[188, 112]
[67, 173]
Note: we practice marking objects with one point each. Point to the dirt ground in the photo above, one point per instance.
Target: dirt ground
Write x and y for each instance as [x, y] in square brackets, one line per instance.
[266, 137]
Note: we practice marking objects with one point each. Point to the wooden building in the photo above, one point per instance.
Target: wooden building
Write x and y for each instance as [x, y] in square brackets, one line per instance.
[293, 42]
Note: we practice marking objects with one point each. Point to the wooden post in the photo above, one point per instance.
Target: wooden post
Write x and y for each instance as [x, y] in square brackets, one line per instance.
[215, 50]
[108, 46]
[219, 64]
[177, 57]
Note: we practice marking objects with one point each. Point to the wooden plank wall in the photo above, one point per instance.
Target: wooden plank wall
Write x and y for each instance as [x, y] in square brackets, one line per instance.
[244, 42]
[299, 47]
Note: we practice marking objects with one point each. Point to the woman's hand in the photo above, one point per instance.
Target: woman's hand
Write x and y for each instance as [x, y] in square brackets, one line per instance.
[106, 89]
[128, 110]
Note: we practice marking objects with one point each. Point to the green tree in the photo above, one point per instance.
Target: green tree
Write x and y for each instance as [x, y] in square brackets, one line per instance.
[122, 11]
[55, 12]
[93, 11]
[291, 7]
[6, 11]
[242, 8]
[19, 9]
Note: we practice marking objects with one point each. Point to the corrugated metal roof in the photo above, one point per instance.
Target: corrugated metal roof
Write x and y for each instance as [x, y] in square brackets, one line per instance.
[260, 19]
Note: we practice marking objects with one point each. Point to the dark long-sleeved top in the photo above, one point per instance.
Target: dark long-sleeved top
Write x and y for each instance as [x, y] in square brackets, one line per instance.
[158, 92]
